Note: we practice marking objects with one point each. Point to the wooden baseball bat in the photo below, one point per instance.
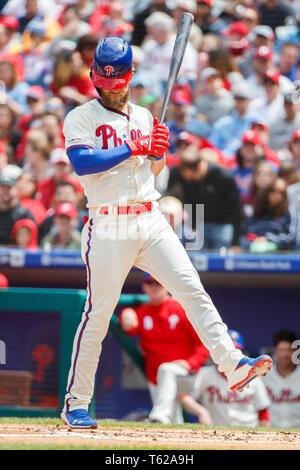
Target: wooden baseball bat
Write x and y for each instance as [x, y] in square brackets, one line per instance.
[180, 44]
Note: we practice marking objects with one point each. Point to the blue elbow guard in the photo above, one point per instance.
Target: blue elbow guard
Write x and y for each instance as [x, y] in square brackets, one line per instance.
[88, 161]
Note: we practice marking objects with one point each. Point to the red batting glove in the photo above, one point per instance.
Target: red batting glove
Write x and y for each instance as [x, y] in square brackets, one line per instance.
[155, 144]
[160, 130]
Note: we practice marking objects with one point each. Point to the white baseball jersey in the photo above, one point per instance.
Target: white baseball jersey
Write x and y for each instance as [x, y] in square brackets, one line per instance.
[149, 243]
[96, 125]
[225, 406]
[284, 393]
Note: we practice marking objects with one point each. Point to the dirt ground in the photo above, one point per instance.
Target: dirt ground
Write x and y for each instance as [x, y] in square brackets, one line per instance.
[180, 438]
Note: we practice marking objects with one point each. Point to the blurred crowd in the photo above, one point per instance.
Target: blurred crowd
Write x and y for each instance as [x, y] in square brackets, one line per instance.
[234, 115]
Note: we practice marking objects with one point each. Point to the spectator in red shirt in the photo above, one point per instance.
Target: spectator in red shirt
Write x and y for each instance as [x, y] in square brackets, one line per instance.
[61, 169]
[25, 234]
[25, 188]
[159, 322]
[71, 80]
[65, 191]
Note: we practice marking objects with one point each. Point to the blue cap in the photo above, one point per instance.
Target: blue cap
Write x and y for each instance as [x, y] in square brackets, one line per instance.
[112, 65]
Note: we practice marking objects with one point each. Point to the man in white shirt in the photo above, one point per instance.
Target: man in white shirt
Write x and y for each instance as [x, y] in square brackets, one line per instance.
[158, 49]
[270, 107]
[283, 382]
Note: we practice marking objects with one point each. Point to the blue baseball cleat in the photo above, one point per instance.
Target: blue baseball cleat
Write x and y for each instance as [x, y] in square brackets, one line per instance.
[78, 419]
[247, 370]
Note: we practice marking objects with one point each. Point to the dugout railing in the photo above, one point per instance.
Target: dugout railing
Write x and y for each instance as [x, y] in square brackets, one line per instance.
[38, 325]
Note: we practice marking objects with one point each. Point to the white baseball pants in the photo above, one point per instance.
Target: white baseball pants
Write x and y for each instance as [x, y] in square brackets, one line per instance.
[111, 245]
[166, 408]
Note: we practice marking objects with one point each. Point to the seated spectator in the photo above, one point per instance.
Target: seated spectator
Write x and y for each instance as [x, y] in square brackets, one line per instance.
[289, 33]
[10, 209]
[270, 106]
[181, 100]
[9, 134]
[25, 234]
[64, 192]
[55, 105]
[185, 139]
[140, 86]
[61, 170]
[215, 101]
[205, 19]
[140, 16]
[38, 67]
[221, 60]
[275, 13]
[158, 49]
[197, 181]
[249, 16]
[9, 34]
[263, 176]
[250, 153]
[6, 168]
[260, 126]
[282, 128]
[282, 382]
[71, 80]
[73, 26]
[159, 320]
[262, 61]
[114, 24]
[227, 131]
[16, 91]
[25, 189]
[271, 226]
[63, 234]
[37, 153]
[190, 6]
[36, 100]
[52, 127]
[86, 47]
[31, 11]
[261, 35]
[289, 173]
[288, 61]
[294, 146]
[221, 406]
[236, 38]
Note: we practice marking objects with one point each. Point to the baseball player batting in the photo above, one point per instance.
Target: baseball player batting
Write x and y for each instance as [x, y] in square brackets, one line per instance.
[108, 140]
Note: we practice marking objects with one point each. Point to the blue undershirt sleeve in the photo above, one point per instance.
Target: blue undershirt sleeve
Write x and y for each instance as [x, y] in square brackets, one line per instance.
[88, 161]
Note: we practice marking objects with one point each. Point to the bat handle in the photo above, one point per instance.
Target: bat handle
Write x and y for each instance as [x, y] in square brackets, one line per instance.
[161, 120]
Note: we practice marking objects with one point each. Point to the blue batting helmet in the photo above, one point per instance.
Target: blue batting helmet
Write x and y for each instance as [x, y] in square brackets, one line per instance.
[112, 65]
[237, 339]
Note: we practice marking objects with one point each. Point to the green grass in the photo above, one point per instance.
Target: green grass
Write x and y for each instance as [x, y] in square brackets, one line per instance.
[138, 424]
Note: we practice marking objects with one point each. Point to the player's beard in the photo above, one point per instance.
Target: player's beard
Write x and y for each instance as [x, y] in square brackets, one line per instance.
[115, 101]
